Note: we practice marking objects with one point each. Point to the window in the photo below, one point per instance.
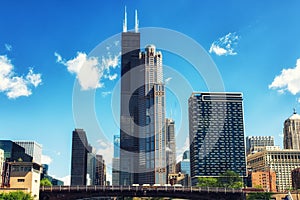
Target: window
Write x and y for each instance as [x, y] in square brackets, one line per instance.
[21, 180]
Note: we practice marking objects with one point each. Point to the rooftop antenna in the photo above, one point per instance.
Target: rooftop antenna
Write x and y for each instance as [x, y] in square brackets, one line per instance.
[125, 21]
[136, 26]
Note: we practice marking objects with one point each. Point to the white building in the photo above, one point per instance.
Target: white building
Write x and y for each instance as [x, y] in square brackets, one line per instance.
[291, 132]
[1, 164]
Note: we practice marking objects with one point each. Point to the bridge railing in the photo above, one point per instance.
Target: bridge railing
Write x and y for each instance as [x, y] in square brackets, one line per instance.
[138, 188]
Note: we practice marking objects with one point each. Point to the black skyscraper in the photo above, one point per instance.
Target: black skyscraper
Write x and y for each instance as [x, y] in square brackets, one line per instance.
[79, 157]
[216, 126]
[129, 105]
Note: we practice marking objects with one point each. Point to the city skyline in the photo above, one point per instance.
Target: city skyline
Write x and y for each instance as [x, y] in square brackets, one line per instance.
[263, 42]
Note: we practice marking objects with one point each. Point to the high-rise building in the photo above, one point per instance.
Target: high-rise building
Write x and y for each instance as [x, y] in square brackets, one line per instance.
[116, 161]
[183, 167]
[291, 132]
[128, 115]
[142, 120]
[1, 165]
[258, 141]
[171, 146]
[14, 152]
[116, 146]
[91, 166]
[100, 171]
[216, 125]
[79, 157]
[282, 162]
[33, 149]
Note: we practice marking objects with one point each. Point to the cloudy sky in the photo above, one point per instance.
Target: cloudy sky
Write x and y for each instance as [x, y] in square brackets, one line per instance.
[60, 59]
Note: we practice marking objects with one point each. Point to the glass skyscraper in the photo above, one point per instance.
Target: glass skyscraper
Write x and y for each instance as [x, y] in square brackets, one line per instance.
[142, 120]
[79, 157]
[216, 127]
[33, 149]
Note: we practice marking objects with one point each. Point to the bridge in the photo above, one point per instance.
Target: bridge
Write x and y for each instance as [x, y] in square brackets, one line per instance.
[90, 192]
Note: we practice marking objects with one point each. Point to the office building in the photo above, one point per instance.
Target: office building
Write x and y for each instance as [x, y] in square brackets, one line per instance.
[116, 171]
[14, 152]
[263, 179]
[1, 165]
[282, 162]
[291, 132]
[256, 142]
[91, 166]
[79, 157]
[116, 161]
[216, 126]
[25, 175]
[296, 179]
[171, 146]
[183, 167]
[142, 120]
[100, 171]
[33, 149]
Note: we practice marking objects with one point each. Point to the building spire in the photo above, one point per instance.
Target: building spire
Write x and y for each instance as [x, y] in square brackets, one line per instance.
[295, 112]
[136, 26]
[125, 21]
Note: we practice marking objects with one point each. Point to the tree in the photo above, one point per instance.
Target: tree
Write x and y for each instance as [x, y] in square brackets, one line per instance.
[19, 195]
[230, 179]
[45, 182]
[259, 195]
[207, 182]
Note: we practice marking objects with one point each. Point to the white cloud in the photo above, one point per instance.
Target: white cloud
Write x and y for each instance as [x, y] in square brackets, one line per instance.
[288, 80]
[167, 80]
[106, 150]
[8, 47]
[15, 86]
[225, 45]
[66, 179]
[90, 71]
[298, 100]
[46, 159]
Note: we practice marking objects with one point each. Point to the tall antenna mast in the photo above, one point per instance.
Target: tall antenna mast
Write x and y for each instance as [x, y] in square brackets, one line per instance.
[136, 26]
[125, 21]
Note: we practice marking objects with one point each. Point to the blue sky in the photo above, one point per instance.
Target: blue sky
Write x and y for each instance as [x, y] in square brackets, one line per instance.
[254, 44]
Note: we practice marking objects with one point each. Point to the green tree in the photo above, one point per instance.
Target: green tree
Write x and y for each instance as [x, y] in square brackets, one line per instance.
[19, 195]
[45, 182]
[230, 179]
[259, 196]
[207, 182]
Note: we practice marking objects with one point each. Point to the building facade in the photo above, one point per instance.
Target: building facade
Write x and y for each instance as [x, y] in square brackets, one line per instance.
[1, 165]
[264, 179]
[142, 120]
[79, 157]
[171, 146]
[116, 161]
[33, 149]
[25, 175]
[14, 152]
[100, 171]
[216, 135]
[291, 132]
[255, 142]
[183, 167]
[282, 162]
[296, 179]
